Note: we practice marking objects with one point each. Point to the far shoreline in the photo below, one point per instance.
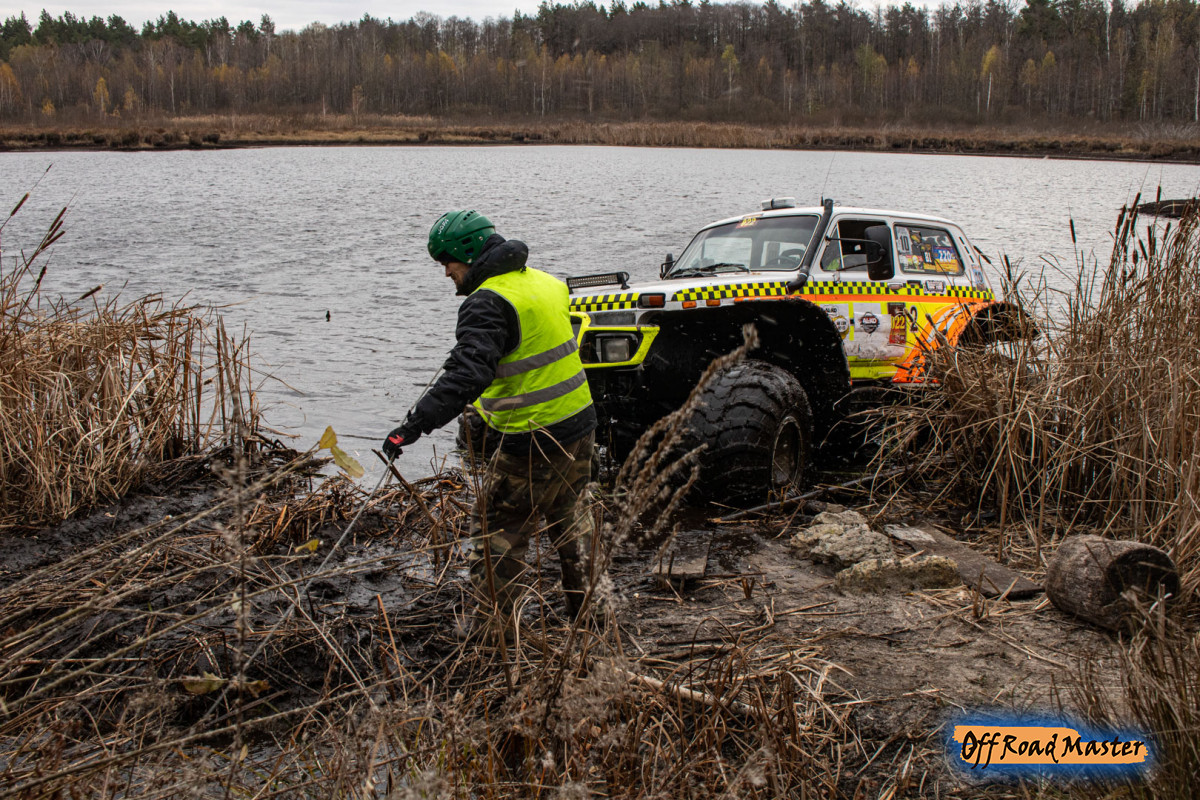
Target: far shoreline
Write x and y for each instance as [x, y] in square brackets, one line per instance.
[1178, 145]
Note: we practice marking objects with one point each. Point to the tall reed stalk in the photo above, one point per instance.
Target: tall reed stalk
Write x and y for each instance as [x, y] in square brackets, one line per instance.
[97, 397]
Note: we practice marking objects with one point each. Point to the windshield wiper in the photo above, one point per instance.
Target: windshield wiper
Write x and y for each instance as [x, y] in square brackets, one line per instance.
[707, 269]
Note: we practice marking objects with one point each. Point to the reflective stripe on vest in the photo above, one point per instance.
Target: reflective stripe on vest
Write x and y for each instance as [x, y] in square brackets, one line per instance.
[542, 381]
[539, 360]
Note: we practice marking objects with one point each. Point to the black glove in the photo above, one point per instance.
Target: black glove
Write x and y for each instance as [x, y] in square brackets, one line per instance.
[400, 436]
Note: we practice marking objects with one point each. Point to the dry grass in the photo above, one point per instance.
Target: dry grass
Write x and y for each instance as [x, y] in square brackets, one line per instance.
[1093, 425]
[97, 398]
[1161, 693]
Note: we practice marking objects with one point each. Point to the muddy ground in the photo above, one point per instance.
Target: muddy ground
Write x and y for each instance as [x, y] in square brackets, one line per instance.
[148, 580]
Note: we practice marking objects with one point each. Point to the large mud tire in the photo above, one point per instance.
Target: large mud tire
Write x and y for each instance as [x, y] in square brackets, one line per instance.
[757, 427]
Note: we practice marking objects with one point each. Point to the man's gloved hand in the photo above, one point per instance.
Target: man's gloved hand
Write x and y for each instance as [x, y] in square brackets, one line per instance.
[397, 438]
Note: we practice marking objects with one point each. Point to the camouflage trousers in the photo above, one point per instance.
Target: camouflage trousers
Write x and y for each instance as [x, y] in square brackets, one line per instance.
[516, 493]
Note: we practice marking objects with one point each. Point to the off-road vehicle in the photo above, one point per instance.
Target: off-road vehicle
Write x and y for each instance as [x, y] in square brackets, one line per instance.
[843, 299]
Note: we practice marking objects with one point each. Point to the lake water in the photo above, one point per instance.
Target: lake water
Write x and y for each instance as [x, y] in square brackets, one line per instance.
[284, 235]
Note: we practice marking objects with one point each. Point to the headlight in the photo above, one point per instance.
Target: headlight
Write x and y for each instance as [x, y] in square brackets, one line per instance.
[615, 348]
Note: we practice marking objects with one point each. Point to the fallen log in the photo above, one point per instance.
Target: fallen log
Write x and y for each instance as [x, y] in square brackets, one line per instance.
[1104, 580]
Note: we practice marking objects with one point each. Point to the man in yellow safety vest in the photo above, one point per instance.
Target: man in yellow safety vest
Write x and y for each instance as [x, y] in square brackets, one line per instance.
[516, 361]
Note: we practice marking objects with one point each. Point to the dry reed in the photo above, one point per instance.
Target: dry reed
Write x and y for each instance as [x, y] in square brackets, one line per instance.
[1150, 142]
[1161, 693]
[97, 398]
[1093, 424]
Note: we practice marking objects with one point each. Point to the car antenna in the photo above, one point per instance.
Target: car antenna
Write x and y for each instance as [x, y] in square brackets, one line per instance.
[832, 156]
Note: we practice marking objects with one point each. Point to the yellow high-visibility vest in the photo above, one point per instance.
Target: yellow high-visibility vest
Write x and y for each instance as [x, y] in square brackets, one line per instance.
[542, 381]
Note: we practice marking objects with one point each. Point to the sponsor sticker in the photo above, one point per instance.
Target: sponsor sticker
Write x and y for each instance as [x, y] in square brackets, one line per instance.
[935, 287]
[868, 323]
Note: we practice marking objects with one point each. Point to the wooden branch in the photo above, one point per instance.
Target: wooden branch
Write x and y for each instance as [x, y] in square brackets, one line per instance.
[684, 693]
[807, 499]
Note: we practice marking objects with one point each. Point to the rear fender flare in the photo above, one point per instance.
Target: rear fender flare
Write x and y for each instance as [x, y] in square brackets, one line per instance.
[999, 321]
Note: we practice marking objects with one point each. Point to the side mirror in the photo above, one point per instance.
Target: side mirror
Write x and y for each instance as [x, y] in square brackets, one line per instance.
[666, 266]
[879, 253]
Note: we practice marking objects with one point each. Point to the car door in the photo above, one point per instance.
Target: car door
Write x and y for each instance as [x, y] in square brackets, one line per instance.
[858, 307]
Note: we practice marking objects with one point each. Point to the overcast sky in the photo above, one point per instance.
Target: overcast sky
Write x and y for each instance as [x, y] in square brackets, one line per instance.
[287, 15]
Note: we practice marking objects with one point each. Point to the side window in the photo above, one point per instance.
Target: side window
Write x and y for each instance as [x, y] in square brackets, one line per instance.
[923, 250]
[849, 253]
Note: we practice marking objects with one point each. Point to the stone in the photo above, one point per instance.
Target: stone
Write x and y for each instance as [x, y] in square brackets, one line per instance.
[841, 539]
[895, 575]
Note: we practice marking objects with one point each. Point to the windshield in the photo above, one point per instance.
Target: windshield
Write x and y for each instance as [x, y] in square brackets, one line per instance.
[749, 245]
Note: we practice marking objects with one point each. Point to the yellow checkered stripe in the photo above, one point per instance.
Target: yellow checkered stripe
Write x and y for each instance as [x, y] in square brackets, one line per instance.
[604, 302]
[974, 294]
[779, 289]
[849, 287]
[731, 290]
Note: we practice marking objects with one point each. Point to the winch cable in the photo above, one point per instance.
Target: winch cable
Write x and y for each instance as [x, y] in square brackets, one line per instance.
[291, 611]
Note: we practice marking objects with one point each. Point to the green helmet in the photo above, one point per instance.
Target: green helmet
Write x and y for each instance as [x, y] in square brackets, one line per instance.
[459, 236]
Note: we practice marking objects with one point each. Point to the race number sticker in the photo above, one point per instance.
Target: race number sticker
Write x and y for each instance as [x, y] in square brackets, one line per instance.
[899, 332]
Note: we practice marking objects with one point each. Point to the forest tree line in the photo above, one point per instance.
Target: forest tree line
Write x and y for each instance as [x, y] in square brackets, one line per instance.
[995, 60]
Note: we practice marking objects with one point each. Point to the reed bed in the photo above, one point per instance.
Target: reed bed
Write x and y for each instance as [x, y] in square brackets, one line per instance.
[1088, 422]
[1172, 142]
[98, 397]
[1093, 424]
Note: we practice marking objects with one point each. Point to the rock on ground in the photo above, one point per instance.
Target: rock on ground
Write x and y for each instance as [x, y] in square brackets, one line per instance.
[842, 539]
[889, 575]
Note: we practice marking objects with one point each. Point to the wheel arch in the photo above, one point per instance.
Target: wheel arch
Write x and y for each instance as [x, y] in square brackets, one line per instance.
[1000, 321]
[794, 334]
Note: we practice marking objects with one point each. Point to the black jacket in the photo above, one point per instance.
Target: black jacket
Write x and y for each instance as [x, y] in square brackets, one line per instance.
[488, 329]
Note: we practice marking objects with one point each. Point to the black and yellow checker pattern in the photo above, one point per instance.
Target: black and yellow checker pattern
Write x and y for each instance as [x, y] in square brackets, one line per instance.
[974, 294]
[853, 287]
[731, 290]
[604, 302]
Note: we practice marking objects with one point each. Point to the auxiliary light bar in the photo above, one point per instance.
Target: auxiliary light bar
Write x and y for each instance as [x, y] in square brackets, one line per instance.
[603, 279]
